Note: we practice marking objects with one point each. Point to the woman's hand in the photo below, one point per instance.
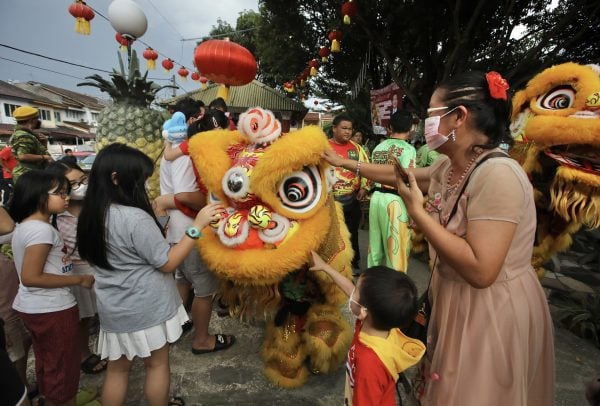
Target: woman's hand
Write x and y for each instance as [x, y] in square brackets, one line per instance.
[332, 158]
[208, 214]
[409, 191]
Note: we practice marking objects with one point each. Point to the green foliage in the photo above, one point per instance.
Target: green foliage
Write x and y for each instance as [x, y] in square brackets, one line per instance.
[419, 43]
[127, 87]
[580, 315]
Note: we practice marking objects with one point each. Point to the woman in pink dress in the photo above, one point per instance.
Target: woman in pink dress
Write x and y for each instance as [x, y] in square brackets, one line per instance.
[490, 339]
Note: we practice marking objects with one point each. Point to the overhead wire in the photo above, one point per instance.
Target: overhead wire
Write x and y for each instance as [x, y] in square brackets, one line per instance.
[60, 61]
[37, 67]
[147, 45]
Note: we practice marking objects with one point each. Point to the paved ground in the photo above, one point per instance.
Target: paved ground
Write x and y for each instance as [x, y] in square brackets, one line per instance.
[235, 377]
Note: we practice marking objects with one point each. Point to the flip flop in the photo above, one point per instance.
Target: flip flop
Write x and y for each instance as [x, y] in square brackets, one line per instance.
[176, 401]
[90, 364]
[221, 343]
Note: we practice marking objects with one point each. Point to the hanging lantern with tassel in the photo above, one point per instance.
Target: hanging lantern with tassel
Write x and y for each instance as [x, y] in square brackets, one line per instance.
[203, 81]
[195, 76]
[324, 53]
[288, 87]
[314, 65]
[123, 42]
[151, 56]
[183, 73]
[335, 37]
[225, 62]
[349, 10]
[83, 15]
[167, 64]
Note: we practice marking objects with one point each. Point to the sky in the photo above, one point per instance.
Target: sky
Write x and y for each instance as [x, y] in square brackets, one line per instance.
[45, 27]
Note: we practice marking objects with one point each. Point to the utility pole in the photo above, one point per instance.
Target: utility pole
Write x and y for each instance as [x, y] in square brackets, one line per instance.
[173, 93]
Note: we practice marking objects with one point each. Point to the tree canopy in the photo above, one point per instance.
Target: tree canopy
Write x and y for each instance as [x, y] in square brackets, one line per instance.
[417, 43]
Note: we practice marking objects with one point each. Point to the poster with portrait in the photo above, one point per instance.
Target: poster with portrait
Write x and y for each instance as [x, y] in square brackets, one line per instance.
[385, 102]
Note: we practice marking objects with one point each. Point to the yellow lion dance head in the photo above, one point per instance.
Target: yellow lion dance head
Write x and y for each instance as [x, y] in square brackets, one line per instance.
[276, 190]
[556, 125]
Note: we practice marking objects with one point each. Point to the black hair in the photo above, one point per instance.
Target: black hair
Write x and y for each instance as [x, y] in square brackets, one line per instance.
[389, 296]
[401, 121]
[30, 193]
[131, 168]
[63, 167]
[189, 107]
[490, 116]
[67, 150]
[341, 117]
[218, 104]
[211, 120]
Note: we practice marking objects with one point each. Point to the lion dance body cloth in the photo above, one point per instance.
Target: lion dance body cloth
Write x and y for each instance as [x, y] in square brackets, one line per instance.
[556, 126]
[276, 191]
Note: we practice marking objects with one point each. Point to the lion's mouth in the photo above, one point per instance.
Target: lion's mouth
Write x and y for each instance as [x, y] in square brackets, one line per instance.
[585, 158]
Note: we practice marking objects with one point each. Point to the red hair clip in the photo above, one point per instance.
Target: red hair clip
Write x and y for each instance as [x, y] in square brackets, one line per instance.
[497, 85]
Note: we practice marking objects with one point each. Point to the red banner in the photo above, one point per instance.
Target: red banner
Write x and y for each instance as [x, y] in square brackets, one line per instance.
[385, 102]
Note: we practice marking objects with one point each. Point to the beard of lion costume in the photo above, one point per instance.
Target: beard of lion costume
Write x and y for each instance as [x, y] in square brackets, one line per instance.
[556, 126]
[276, 190]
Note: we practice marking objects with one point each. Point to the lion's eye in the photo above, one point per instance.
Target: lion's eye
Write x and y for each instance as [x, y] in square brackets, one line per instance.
[235, 183]
[559, 98]
[300, 191]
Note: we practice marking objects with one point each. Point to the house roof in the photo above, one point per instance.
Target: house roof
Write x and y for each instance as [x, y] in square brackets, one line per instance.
[68, 97]
[10, 90]
[241, 98]
[58, 132]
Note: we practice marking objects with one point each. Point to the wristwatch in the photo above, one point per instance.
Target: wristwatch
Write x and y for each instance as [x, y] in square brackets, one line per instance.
[193, 233]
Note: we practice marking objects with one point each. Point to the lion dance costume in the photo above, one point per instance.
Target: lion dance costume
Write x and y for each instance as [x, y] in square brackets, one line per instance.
[556, 126]
[276, 190]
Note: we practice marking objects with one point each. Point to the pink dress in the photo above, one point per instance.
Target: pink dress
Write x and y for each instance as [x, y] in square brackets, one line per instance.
[491, 346]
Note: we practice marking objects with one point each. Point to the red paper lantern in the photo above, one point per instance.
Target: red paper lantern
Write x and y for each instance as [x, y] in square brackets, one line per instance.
[349, 9]
[123, 42]
[167, 64]
[183, 73]
[83, 15]
[314, 64]
[195, 76]
[151, 56]
[225, 62]
[335, 37]
[324, 53]
[203, 81]
[288, 87]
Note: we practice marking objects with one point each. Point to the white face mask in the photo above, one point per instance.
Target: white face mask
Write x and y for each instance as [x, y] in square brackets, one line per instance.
[79, 193]
[433, 138]
[350, 301]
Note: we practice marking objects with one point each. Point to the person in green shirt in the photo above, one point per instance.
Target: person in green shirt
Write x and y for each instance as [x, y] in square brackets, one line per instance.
[426, 156]
[26, 146]
[389, 235]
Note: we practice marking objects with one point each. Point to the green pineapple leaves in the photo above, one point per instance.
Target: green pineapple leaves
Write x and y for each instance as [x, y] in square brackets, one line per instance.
[131, 88]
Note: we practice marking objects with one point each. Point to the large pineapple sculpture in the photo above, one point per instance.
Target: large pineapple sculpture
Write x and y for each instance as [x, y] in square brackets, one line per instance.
[130, 120]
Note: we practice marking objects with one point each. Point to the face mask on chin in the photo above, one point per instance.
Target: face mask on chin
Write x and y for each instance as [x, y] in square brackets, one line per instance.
[433, 138]
[79, 193]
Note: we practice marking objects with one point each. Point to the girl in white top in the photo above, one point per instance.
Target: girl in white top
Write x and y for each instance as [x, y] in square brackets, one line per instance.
[44, 300]
[138, 304]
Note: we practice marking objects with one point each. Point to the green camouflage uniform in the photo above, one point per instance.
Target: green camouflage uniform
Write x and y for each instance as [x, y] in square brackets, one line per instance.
[23, 142]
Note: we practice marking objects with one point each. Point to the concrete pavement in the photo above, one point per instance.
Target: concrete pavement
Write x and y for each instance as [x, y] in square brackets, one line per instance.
[234, 376]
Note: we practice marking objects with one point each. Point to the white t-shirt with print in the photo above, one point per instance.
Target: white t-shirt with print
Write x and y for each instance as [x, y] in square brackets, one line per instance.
[41, 300]
[177, 177]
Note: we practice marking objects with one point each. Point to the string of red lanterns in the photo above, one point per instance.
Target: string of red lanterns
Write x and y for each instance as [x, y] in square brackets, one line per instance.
[348, 10]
